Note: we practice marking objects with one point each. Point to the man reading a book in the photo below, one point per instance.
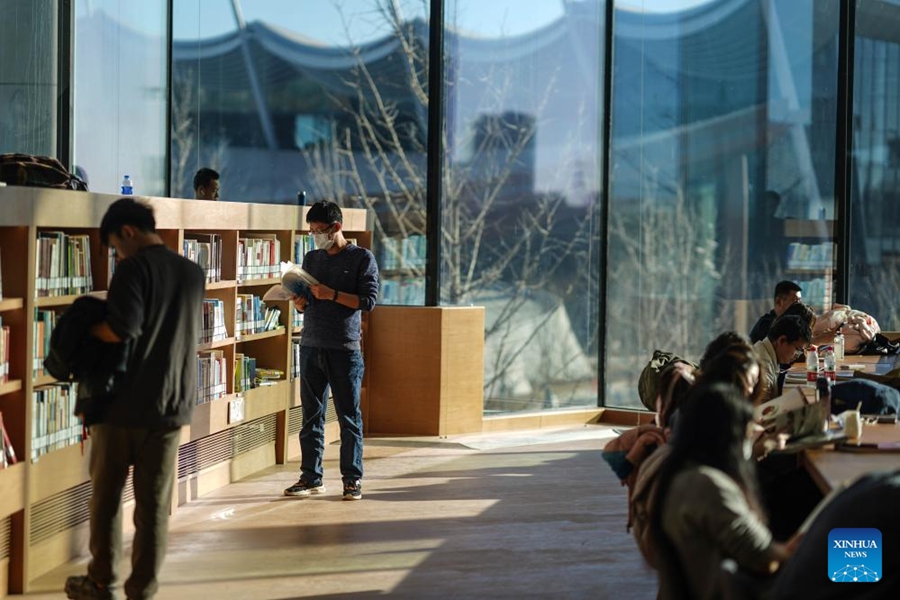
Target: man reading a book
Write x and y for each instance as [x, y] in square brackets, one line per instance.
[330, 355]
[155, 303]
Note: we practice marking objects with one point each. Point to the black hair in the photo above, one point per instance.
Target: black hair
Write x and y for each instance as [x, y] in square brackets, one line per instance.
[721, 343]
[325, 211]
[792, 327]
[804, 311]
[710, 431]
[204, 177]
[785, 288]
[731, 366]
[126, 211]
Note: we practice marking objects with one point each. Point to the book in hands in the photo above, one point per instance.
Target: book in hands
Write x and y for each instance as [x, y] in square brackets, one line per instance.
[294, 282]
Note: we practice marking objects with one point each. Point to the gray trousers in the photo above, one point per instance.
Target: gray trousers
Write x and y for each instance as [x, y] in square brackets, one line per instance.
[152, 453]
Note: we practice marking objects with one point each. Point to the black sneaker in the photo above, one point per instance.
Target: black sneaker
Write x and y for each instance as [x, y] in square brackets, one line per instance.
[82, 587]
[302, 488]
[352, 490]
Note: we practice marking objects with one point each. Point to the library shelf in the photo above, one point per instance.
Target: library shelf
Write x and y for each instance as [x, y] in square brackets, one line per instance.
[59, 470]
[265, 400]
[229, 341]
[48, 301]
[11, 304]
[298, 329]
[12, 482]
[42, 380]
[8, 387]
[252, 337]
[258, 282]
[221, 285]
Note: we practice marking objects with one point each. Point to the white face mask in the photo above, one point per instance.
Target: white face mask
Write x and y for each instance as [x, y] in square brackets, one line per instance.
[322, 241]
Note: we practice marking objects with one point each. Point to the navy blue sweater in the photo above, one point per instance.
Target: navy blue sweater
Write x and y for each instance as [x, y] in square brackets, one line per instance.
[328, 324]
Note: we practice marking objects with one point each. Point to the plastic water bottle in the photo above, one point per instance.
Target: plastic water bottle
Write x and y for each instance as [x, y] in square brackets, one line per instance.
[839, 344]
[812, 366]
[127, 186]
[830, 364]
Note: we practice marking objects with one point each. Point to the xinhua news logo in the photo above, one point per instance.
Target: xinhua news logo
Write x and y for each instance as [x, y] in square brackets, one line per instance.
[854, 555]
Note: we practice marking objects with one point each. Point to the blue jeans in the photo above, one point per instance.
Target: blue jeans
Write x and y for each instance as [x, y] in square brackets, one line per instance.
[342, 370]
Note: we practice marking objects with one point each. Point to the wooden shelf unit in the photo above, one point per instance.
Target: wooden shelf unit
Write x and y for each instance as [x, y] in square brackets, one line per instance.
[61, 475]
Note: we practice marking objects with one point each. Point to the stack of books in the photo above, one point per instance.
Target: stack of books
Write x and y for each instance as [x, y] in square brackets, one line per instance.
[213, 321]
[205, 249]
[54, 424]
[266, 377]
[244, 373]
[63, 264]
[44, 322]
[211, 380]
[259, 257]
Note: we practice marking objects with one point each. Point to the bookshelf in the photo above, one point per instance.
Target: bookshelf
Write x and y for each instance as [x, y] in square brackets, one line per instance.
[810, 260]
[216, 448]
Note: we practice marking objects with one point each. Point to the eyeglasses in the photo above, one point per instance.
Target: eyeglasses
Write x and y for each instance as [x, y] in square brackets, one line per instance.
[319, 231]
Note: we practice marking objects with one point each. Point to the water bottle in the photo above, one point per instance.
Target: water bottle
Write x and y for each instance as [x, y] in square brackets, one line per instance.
[127, 186]
[823, 397]
[812, 366]
[839, 343]
[830, 364]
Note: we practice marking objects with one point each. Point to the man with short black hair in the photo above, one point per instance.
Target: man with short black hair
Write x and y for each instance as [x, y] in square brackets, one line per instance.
[786, 294]
[330, 354]
[787, 339]
[206, 184]
[154, 302]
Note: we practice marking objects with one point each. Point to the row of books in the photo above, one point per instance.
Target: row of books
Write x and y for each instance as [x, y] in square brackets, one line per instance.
[4, 352]
[54, 424]
[302, 245]
[259, 257]
[405, 252]
[212, 375]
[7, 452]
[44, 322]
[244, 373]
[817, 292]
[406, 291]
[810, 256]
[295, 357]
[63, 264]
[205, 249]
[296, 318]
[213, 327]
[253, 316]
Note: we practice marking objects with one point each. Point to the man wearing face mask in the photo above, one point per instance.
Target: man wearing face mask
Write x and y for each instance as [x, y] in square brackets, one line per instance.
[330, 349]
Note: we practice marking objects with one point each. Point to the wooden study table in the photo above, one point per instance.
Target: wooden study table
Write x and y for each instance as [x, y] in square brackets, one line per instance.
[829, 466]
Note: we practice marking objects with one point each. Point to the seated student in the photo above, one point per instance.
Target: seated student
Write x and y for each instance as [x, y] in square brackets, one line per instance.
[206, 184]
[871, 502]
[737, 365]
[719, 344]
[706, 507]
[786, 340]
[786, 294]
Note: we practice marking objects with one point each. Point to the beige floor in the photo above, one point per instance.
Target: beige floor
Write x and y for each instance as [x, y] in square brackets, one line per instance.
[533, 515]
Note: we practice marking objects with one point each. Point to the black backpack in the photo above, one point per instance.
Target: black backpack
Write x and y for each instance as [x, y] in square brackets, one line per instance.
[38, 171]
[648, 382]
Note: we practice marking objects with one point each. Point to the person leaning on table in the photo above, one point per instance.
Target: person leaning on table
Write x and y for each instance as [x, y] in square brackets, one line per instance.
[786, 341]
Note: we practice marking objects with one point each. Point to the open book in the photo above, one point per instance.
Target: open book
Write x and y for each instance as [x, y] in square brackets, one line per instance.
[294, 281]
[795, 413]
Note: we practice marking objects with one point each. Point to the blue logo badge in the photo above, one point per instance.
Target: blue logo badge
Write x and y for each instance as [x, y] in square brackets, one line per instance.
[854, 555]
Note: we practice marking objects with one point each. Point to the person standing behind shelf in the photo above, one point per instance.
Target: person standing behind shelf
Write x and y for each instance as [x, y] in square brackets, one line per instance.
[206, 184]
[786, 294]
[154, 300]
[330, 353]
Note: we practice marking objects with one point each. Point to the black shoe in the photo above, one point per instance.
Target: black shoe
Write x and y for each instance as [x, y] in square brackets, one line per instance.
[352, 490]
[302, 488]
[82, 587]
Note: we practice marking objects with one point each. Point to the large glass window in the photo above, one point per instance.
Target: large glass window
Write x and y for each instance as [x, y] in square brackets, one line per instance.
[875, 185]
[521, 178]
[328, 98]
[28, 77]
[121, 95]
[722, 179]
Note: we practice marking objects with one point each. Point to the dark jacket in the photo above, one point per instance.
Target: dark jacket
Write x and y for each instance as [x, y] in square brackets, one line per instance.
[76, 355]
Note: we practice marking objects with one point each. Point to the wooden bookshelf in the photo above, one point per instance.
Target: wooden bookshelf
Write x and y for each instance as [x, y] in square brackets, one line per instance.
[54, 482]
